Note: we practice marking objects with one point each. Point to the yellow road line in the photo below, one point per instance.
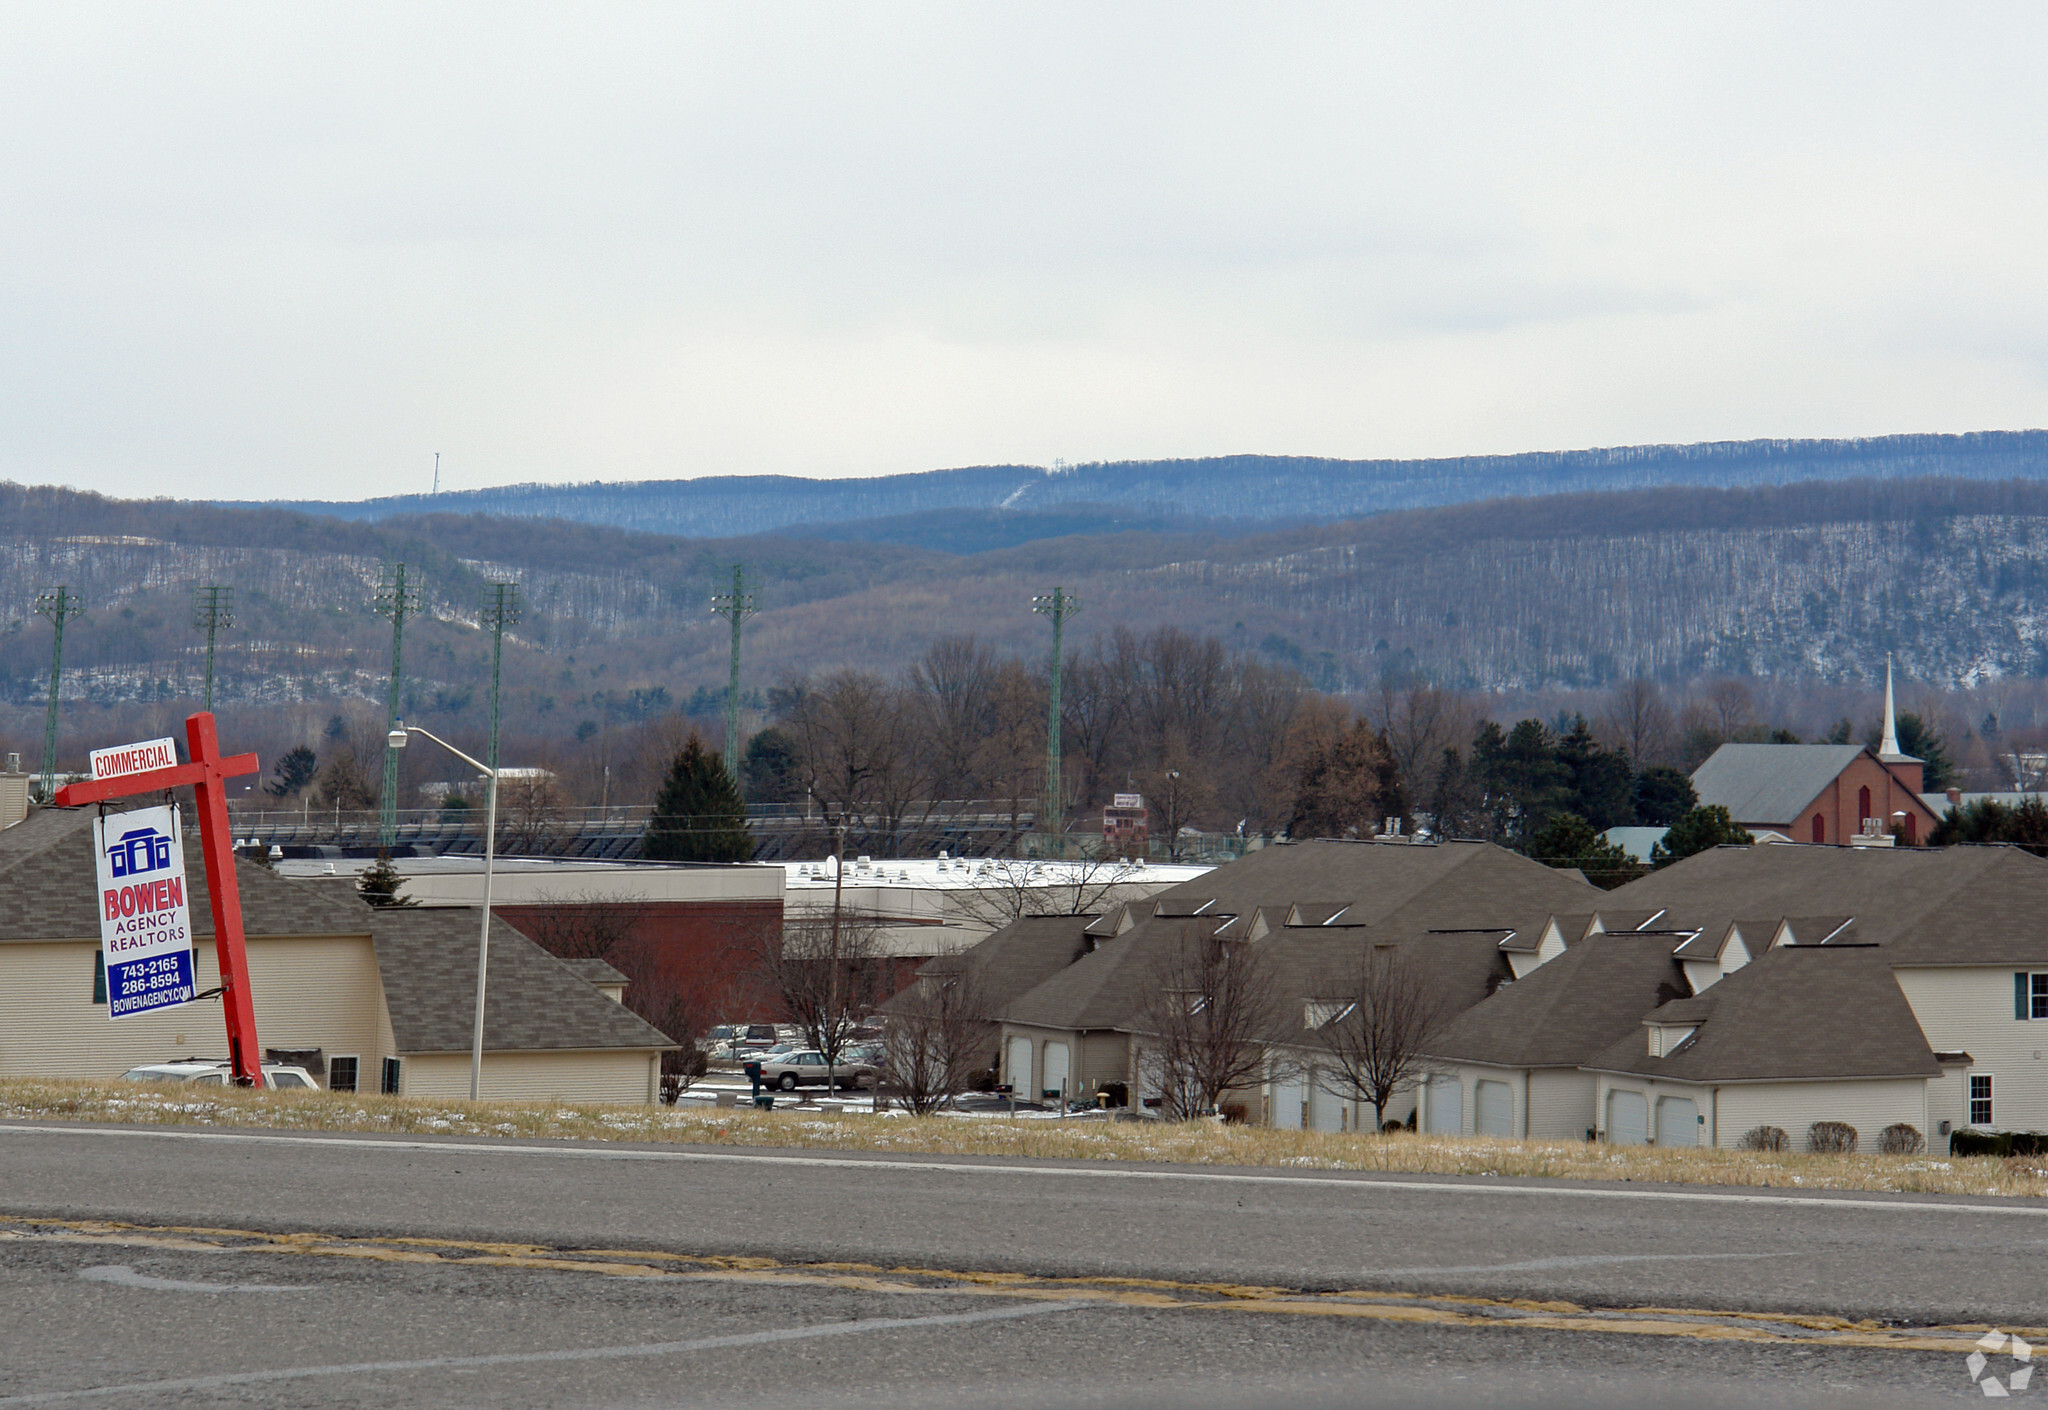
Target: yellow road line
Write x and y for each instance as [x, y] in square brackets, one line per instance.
[1456, 1310]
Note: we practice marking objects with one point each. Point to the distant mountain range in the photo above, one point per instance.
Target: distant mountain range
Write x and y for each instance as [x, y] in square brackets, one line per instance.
[1813, 582]
[984, 507]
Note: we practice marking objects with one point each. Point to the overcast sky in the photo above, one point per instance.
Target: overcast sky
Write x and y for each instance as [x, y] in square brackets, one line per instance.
[294, 250]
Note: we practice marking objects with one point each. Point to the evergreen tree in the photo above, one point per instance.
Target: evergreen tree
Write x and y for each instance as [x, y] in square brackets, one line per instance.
[771, 770]
[1989, 821]
[1600, 782]
[380, 882]
[698, 815]
[1568, 840]
[1663, 796]
[1696, 832]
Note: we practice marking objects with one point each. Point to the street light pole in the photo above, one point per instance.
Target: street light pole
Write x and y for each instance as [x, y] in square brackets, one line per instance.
[397, 740]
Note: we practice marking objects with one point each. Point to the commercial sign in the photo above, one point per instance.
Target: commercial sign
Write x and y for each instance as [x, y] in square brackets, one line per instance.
[1128, 800]
[145, 923]
[124, 759]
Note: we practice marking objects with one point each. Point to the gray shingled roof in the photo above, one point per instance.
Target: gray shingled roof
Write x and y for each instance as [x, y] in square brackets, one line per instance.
[1770, 783]
[533, 1002]
[1570, 1010]
[593, 971]
[426, 958]
[1395, 893]
[1015, 959]
[48, 892]
[1955, 896]
[1798, 1012]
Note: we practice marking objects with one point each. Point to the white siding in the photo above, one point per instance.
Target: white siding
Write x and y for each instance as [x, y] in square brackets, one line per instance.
[308, 993]
[1794, 1106]
[1560, 1104]
[626, 1076]
[1971, 1010]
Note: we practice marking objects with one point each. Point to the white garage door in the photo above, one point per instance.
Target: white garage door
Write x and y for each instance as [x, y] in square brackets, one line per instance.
[1020, 1068]
[1628, 1119]
[1055, 1067]
[1325, 1109]
[1678, 1122]
[1290, 1102]
[1493, 1109]
[1446, 1106]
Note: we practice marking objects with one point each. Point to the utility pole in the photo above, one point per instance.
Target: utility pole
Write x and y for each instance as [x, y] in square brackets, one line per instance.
[398, 598]
[500, 610]
[1058, 606]
[736, 606]
[437, 472]
[61, 605]
[213, 607]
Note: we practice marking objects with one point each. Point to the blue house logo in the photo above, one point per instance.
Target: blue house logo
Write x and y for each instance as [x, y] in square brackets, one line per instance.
[143, 850]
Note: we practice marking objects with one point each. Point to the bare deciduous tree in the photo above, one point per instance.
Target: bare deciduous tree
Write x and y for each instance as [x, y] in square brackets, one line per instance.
[1376, 1020]
[1213, 1009]
[583, 925]
[828, 969]
[1638, 721]
[937, 1037]
[1004, 889]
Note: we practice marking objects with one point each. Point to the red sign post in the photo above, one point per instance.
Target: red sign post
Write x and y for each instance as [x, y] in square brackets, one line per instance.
[208, 774]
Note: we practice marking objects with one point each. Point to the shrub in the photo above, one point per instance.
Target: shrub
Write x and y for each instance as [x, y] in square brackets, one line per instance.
[1831, 1138]
[1764, 1138]
[1998, 1143]
[1900, 1139]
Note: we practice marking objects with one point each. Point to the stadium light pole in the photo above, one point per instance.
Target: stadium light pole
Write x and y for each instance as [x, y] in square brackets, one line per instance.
[398, 598]
[736, 606]
[396, 740]
[1058, 605]
[213, 609]
[62, 606]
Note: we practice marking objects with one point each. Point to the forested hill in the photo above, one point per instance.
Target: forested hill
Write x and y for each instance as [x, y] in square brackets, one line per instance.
[1815, 581]
[1225, 489]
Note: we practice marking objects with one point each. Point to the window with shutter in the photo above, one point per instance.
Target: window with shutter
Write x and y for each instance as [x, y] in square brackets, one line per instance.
[391, 1075]
[2039, 1006]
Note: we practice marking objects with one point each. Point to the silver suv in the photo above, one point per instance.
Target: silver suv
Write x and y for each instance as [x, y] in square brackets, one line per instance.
[218, 1072]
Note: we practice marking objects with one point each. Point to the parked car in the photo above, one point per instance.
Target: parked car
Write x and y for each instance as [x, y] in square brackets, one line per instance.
[805, 1067]
[217, 1072]
[758, 1038]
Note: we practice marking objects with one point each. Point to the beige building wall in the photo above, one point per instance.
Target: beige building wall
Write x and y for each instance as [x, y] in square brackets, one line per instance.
[309, 993]
[627, 1076]
[1971, 1011]
[1733, 1109]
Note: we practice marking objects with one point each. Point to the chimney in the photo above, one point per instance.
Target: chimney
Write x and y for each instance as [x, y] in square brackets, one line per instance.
[1955, 797]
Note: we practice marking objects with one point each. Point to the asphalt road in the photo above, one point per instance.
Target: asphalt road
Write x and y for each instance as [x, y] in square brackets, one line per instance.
[154, 1266]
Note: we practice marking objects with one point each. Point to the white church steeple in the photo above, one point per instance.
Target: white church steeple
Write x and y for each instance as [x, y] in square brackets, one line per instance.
[1888, 747]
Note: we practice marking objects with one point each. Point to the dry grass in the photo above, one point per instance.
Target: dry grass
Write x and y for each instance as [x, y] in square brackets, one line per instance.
[1196, 1143]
